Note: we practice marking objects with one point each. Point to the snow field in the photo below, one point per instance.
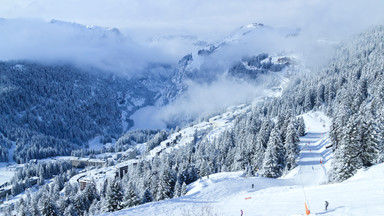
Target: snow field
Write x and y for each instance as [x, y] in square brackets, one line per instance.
[7, 170]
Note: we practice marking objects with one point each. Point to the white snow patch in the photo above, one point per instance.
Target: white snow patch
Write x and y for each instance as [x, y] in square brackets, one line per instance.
[8, 170]
[317, 122]
[137, 101]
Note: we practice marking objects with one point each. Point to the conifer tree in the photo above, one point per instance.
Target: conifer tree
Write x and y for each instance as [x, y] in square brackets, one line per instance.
[370, 139]
[291, 147]
[47, 207]
[147, 196]
[95, 207]
[346, 158]
[79, 203]
[177, 191]
[301, 126]
[184, 189]
[70, 210]
[163, 186]
[114, 196]
[272, 168]
[131, 197]
[90, 193]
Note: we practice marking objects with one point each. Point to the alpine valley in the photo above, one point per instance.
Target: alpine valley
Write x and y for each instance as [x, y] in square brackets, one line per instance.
[242, 125]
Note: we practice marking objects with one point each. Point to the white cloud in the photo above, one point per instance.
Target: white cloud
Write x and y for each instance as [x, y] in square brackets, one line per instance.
[58, 42]
[206, 98]
[210, 20]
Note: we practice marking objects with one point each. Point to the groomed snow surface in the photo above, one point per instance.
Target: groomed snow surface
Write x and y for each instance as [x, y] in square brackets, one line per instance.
[229, 193]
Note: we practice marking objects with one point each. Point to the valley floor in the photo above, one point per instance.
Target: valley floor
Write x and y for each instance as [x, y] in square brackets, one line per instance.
[229, 193]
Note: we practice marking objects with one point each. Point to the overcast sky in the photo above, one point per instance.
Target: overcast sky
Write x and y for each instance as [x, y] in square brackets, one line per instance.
[201, 16]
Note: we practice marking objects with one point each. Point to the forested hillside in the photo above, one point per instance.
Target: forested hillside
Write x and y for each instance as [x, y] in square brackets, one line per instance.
[350, 90]
[52, 110]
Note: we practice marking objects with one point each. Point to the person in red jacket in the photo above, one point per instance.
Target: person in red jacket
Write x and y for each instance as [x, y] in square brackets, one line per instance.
[241, 212]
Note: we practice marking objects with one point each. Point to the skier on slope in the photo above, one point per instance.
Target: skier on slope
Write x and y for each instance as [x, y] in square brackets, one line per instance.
[326, 205]
[241, 212]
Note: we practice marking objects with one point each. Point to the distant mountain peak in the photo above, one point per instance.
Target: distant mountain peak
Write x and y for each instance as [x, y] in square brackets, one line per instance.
[231, 38]
[252, 25]
[89, 27]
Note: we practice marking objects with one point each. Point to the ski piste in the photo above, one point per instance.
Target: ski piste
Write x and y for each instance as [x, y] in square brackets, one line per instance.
[227, 193]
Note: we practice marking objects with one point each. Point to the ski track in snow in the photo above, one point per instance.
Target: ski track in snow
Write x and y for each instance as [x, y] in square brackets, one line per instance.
[228, 193]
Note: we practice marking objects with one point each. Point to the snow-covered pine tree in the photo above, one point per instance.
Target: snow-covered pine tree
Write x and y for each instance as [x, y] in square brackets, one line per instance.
[291, 147]
[258, 156]
[283, 130]
[90, 193]
[381, 136]
[163, 186]
[300, 126]
[346, 158]
[204, 169]
[62, 204]
[47, 207]
[370, 139]
[177, 190]
[183, 189]
[21, 208]
[95, 207]
[320, 97]
[309, 100]
[191, 175]
[70, 210]
[34, 204]
[131, 197]
[147, 196]
[114, 196]
[79, 202]
[271, 166]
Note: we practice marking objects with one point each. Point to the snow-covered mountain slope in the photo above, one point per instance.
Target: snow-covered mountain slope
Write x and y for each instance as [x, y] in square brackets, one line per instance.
[64, 104]
[229, 193]
[97, 31]
[239, 53]
[207, 130]
[226, 76]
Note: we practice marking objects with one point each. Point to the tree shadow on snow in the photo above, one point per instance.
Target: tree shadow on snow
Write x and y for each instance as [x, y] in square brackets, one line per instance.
[328, 211]
[312, 135]
[188, 199]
